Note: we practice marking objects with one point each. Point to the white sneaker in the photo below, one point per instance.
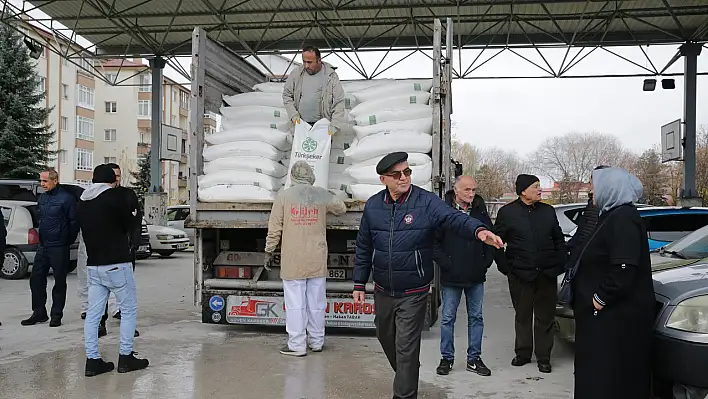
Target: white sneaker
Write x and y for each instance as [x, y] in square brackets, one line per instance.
[285, 350]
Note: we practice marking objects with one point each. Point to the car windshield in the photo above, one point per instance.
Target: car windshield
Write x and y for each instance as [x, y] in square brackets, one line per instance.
[692, 246]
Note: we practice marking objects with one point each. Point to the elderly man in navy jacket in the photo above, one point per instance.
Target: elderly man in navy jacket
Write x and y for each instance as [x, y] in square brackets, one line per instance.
[58, 229]
[395, 241]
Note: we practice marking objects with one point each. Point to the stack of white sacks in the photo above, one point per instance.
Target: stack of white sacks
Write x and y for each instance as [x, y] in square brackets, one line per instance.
[389, 116]
[242, 162]
[249, 158]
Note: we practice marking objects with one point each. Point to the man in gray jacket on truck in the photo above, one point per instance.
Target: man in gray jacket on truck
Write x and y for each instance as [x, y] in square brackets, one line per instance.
[313, 92]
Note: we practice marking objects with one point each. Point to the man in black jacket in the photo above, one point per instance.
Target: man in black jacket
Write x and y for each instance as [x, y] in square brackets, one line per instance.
[463, 268]
[58, 229]
[106, 220]
[534, 257]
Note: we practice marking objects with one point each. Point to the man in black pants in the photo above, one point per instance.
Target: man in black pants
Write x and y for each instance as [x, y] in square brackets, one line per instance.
[395, 241]
[534, 257]
[58, 229]
[134, 239]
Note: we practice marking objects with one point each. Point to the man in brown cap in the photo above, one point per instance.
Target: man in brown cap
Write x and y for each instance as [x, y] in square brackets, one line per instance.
[534, 257]
[395, 241]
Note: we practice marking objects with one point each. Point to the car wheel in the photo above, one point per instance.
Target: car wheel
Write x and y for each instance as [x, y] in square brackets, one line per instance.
[15, 265]
[164, 253]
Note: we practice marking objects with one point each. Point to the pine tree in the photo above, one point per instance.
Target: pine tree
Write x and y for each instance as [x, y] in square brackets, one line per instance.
[24, 135]
[141, 178]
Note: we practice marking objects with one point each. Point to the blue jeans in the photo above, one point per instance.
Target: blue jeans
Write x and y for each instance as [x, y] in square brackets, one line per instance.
[451, 297]
[103, 280]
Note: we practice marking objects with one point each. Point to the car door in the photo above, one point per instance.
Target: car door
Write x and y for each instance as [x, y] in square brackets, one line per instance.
[665, 228]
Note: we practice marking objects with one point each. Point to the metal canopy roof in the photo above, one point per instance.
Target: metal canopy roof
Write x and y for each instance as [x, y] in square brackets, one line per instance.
[142, 27]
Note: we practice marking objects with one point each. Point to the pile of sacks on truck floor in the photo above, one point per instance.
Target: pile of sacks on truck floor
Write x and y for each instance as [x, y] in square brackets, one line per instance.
[249, 158]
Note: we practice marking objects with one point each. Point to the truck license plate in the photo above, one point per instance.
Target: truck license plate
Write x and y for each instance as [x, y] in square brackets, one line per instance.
[337, 274]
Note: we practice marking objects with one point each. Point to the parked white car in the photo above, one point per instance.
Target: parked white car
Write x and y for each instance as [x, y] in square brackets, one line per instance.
[176, 215]
[21, 222]
[165, 241]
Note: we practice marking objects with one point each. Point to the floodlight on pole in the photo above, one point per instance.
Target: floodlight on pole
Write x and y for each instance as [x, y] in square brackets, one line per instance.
[649, 85]
[668, 84]
[35, 48]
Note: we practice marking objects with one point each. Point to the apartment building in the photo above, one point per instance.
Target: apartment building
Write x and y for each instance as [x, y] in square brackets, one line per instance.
[70, 91]
[124, 120]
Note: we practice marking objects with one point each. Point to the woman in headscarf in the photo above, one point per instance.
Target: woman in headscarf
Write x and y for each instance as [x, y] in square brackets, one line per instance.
[613, 296]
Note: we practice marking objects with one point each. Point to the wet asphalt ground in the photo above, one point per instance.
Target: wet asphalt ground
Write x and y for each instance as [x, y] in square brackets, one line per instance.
[189, 359]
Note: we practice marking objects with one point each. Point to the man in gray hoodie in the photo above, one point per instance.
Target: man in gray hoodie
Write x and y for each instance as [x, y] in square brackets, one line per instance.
[313, 92]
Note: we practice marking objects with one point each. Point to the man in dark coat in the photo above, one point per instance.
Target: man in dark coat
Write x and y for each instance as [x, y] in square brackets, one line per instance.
[58, 229]
[395, 242]
[463, 269]
[534, 257]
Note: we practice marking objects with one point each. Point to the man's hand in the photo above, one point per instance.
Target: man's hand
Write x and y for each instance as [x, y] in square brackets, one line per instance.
[358, 296]
[596, 305]
[490, 238]
[296, 118]
[268, 262]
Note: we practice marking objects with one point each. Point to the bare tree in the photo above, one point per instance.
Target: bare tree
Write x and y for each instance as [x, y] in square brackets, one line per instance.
[497, 172]
[651, 172]
[467, 154]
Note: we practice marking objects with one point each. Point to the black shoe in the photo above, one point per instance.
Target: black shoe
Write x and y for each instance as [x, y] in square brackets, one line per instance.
[444, 367]
[127, 363]
[34, 319]
[478, 366]
[545, 367]
[520, 361]
[137, 333]
[95, 367]
[83, 315]
[102, 332]
[285, 350]
[55, 322]
[117, 315]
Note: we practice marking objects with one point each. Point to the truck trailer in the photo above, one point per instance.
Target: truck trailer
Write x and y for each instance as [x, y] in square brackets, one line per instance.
[230, 283]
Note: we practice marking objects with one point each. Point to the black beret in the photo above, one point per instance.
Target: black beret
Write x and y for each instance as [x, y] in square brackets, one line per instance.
[103, 174]
[390, 160]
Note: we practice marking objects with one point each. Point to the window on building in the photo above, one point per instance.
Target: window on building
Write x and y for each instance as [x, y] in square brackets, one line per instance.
[41, 84]
[109, 160]
[84, 159]
[86, 63]
[109, 135]
[84, 128]
[62, 156]
[145, 82]
[142, 137]
[65, 91]
[86, 96]
[174, 96]
[184, 100]
[208, 130]
[111, 107]
[144, 109]
[64, 123]
[112, 78]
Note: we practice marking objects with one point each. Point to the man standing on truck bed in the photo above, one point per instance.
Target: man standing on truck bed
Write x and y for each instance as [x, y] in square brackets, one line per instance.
[313, 92]
[58, 229]
[395, 240]
[298, 222]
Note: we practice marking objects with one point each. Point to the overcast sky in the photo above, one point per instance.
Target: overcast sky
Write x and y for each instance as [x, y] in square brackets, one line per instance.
[518, 114]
